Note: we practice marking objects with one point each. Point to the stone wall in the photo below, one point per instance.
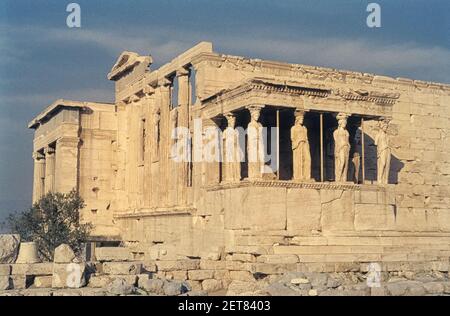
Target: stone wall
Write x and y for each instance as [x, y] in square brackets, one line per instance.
[244, 270]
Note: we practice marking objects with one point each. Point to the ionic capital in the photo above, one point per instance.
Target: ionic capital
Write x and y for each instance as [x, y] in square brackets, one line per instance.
[37, 156]
[134, 99]
[149, 90]
[48, 151]
[182, 72]
[164, 82]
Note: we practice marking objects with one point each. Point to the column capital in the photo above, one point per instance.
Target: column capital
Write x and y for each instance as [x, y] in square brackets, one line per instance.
[342, 116]
[148, 90]
[255, 111]
[134, 99]
[231, 119]
[255, 107]
[299, 112]
[37, 156]
[229, 115]
[181, 72]
[49, 150]
[164, 82]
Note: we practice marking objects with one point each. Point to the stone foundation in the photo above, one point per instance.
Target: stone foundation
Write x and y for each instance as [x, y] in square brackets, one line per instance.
[242, 271]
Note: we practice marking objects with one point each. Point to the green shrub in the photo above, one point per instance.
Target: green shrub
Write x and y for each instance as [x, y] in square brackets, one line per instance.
[53, 220]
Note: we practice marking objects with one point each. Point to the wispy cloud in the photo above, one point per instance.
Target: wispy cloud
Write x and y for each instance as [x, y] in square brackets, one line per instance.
[402, 59]
[405, 59]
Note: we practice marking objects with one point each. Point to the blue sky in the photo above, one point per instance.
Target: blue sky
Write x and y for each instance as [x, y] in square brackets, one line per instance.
[42, 59]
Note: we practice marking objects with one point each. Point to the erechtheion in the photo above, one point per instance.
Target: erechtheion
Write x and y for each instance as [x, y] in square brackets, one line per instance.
[294, 159]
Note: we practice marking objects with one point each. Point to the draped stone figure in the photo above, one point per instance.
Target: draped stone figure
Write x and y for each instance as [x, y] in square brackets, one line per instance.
[232, 153]
[300, 148]
[356, 160]
[341, 149]
[383, 153]
[255, 145]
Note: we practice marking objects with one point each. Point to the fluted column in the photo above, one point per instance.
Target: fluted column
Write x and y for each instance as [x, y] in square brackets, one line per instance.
[49, 169]
[164, 101]
[183, 122]
[39, 176]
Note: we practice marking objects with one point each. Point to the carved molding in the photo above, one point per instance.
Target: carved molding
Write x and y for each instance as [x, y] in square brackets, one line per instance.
[295, 185]
[379, 98]
[153, 212]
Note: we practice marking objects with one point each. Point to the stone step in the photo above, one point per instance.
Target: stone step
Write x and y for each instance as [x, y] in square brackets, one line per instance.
[369, 257]
[255, 240]
[390, 250]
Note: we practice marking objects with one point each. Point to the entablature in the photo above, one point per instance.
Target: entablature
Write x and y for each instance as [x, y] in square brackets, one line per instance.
[296, 95]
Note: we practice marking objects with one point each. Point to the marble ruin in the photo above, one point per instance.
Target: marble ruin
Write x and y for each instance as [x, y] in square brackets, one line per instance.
[311, 165]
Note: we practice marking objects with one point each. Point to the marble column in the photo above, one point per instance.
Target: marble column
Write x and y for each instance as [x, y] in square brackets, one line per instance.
[255, 149]
[183, 122]
[164, 86]
[39, 176]
[49, 169]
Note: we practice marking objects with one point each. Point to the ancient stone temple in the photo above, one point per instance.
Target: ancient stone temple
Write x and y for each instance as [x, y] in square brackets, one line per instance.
[352, 166]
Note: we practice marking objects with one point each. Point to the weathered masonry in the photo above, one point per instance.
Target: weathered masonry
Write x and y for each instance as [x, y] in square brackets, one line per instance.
[362, 162]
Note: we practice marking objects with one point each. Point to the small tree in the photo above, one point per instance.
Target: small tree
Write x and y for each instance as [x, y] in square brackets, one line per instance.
[53, 220]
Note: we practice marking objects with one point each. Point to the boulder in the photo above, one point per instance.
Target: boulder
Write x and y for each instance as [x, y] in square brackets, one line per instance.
[63, 254]
[278, 289]
[9, 248]
[240, 287]
[153, 286]
[434, 287]
[299, 281]
[120, 286]
[174, 288]
[397, 288]
[197, 293]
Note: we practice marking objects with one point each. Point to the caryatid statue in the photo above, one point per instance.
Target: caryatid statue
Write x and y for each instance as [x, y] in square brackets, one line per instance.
[255, 145]
[232, 153]
[300, 149]
[341, 149]
[383, 153]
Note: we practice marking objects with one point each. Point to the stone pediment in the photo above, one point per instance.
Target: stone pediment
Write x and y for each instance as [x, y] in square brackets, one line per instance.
[126, 62]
